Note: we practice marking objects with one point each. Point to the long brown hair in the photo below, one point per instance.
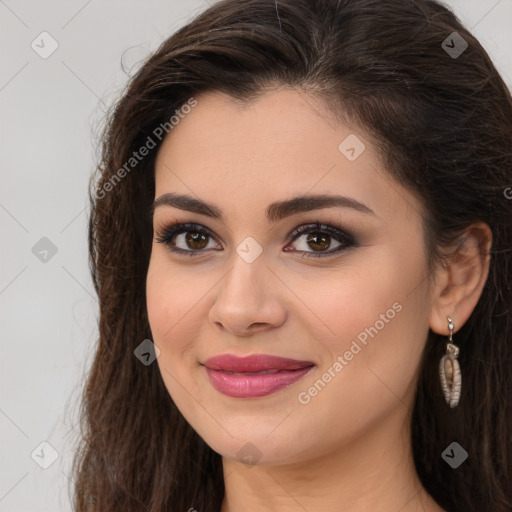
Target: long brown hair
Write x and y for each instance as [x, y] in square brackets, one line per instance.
[443, 125]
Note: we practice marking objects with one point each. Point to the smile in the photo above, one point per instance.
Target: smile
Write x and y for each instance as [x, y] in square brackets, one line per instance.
[254, 376]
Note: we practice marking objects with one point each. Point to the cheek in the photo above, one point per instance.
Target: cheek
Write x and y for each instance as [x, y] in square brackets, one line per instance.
[352, 299]
[380, 322]
[166, 297]
[168, 300]
[170, 295]
[159, 297]
[177, 307]
[176, 301]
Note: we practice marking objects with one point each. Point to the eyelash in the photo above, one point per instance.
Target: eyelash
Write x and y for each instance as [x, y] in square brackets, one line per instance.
[168, 233]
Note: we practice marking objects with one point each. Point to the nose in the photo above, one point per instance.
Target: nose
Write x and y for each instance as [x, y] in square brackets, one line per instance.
[248, 299]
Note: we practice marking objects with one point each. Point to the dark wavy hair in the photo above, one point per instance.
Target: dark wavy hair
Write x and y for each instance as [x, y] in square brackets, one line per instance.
[442, 124]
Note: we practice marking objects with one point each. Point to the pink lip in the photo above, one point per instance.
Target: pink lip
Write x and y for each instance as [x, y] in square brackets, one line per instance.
[241, 377]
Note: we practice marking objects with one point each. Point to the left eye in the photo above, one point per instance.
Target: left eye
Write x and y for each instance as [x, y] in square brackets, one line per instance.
[195, 238]
[319, 237]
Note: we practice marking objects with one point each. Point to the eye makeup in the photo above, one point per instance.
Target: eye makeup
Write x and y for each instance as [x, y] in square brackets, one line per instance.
[316, 233]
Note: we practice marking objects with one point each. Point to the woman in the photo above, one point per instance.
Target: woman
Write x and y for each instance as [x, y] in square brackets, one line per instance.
[300, 239]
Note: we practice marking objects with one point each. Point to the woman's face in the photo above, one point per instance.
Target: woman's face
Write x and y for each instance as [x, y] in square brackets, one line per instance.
[349, 302]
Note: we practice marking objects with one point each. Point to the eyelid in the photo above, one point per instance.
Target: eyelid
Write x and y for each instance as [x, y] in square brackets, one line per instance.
[327, 228]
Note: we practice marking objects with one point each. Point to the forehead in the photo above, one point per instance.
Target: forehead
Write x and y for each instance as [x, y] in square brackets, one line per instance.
[282, 117]
[283, 144]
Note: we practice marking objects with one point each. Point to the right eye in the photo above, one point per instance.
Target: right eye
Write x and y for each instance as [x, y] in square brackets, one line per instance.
[192, 237]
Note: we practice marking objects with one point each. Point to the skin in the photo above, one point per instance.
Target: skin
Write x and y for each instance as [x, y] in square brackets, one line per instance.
[349, 446]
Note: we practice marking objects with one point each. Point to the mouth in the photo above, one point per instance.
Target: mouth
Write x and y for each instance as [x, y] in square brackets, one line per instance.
[254, 376]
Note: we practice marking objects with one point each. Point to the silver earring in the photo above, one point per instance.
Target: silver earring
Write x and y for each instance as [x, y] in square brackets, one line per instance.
[449, 371]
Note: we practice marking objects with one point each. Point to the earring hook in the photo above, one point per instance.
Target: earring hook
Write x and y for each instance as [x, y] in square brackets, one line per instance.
[450, 326]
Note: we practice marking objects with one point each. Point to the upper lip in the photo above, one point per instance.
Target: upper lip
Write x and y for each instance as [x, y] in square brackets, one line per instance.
[253, 363]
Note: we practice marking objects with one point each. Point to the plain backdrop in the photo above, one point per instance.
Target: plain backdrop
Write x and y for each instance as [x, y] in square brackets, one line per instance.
[51, 111]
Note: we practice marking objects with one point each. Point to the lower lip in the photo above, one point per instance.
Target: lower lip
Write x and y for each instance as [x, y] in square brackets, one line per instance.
[253, 385]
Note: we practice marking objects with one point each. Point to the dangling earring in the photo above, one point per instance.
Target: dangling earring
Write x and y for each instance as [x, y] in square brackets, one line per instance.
[449, 371]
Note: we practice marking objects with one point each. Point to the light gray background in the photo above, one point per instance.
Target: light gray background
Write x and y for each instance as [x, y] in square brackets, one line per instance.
[51, 110]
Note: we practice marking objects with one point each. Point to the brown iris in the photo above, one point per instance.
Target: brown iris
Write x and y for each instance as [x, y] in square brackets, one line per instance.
[315, 237]
[201, 239]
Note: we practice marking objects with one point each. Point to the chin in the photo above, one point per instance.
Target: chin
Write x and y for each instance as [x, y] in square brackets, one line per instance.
[257, 448]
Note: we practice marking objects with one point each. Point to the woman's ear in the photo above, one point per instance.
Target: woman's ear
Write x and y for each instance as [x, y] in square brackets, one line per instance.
[460, 281]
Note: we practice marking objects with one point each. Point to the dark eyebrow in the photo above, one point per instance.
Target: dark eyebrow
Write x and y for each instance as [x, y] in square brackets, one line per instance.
[275, 211]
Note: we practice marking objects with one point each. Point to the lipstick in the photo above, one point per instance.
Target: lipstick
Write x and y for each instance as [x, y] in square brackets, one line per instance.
[254, 376]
